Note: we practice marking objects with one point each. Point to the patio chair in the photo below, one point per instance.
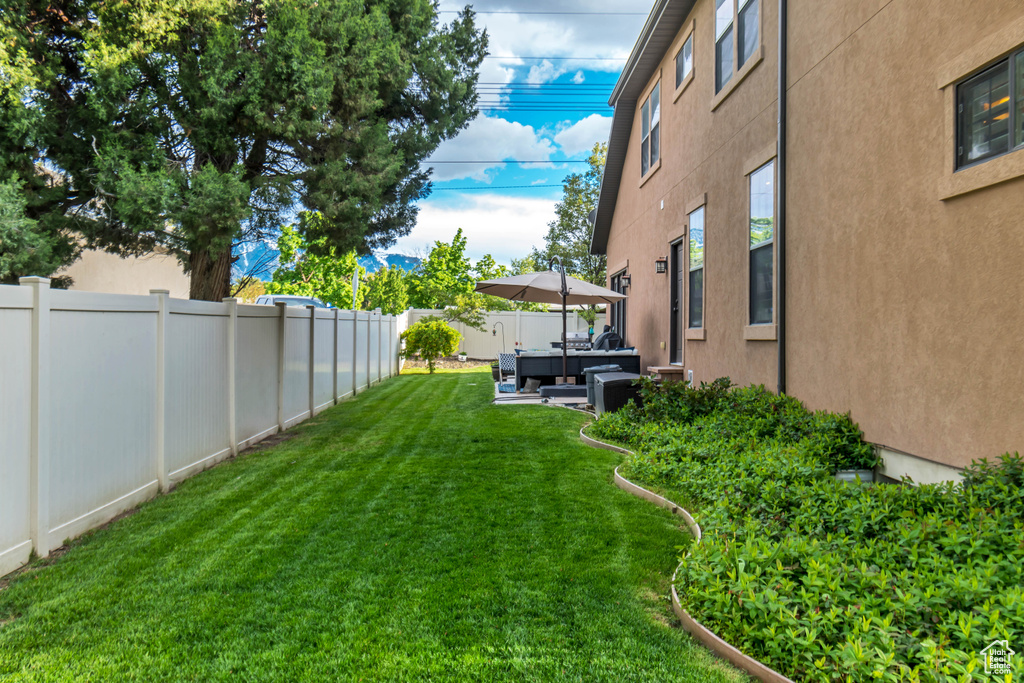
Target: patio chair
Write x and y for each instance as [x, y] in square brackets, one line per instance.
[506, 369]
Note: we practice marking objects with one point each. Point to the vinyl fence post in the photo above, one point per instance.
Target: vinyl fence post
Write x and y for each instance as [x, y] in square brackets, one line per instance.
[160, 433]
[282, 335]
[380, 344]
[39, 454]
[312, 360]
[355, 346]
[519, 314]
[334, 365]
[369, 338]
[232, 371]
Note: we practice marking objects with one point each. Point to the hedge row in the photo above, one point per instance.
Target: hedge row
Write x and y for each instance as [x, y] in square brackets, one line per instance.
[819, 579]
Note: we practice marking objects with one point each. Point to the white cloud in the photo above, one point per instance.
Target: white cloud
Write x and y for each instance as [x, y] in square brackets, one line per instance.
[544, 72]
[489, 139]
[579, 78]
[504, 227]
[589, 34]
[581, 136]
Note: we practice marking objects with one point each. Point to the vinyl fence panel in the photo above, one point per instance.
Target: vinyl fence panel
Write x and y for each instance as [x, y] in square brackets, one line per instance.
[196, 404]
[107, 399]
[102, 408]
[362, 345]
[346, 354]
[15, 426]
[296, 365]
[517, 329]
[375, 356]
[256, 361]
[323, 359]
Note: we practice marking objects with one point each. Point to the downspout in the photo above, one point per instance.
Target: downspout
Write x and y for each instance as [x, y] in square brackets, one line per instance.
[780, 221]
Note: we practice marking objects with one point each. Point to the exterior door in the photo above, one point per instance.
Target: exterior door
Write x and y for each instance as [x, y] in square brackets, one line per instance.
[677, 273]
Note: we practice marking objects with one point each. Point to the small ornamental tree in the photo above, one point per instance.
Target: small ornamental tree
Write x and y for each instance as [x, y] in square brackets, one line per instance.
[431, 338]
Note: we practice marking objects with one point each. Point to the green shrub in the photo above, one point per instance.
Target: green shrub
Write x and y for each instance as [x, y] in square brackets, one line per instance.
[819, 579]
[431, 338]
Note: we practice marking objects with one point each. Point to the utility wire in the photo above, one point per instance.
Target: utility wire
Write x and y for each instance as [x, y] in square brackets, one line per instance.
[593, 14]
[510, 161]
[575, 59]
[491, 187]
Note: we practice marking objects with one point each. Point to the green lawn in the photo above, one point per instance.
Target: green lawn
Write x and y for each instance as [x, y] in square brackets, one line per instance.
[414, 533]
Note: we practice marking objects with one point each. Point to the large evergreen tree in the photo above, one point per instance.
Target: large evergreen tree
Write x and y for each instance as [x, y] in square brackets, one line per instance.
[192, 124]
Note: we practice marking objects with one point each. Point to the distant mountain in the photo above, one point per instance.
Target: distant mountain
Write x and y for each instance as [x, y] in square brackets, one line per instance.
[260, 261]
[375, 262]
[255, 259]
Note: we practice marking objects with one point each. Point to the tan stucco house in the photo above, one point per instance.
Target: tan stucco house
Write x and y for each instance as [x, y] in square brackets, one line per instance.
[100, 271]
[863, 250]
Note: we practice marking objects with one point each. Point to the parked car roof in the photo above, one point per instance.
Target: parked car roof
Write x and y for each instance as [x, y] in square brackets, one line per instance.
[290, 300]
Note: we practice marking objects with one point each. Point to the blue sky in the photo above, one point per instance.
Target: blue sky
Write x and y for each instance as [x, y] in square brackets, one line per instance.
[533, 109]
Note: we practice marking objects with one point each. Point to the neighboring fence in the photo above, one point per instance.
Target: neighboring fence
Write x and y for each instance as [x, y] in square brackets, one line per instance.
[107, 399]
[521, 330]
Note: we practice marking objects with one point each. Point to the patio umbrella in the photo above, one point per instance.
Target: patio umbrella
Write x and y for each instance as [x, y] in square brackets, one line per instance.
[550, 287]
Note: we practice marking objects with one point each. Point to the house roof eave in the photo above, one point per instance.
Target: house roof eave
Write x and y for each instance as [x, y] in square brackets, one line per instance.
[663, 23]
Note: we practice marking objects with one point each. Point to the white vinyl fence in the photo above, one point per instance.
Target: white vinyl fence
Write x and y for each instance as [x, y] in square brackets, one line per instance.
[107, 399]
[522, 330]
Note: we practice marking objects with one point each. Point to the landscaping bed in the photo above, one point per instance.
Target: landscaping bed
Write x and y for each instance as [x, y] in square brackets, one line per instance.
[820, 579]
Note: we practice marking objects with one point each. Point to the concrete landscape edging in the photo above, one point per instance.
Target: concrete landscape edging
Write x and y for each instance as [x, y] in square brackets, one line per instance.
[706, 637]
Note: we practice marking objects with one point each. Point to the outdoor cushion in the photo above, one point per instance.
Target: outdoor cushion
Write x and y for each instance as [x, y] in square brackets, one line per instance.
[506, 366]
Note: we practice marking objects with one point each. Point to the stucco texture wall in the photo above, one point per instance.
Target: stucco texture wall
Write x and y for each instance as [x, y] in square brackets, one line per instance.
[905, 308]
[98, 271]
[703, 154]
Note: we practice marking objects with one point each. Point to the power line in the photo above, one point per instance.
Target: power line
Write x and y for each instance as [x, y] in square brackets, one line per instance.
[491, 187]
[545, 85]
[575, 59]
[593, 14]
[510, 161]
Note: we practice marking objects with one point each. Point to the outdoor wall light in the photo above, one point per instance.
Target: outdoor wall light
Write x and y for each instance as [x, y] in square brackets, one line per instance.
[661, 264]
[625, 280]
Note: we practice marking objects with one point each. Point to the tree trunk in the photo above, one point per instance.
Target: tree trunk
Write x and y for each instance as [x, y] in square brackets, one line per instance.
[210, 278]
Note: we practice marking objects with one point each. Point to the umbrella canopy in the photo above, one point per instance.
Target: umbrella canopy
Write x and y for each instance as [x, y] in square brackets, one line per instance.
[550, 287]
[546, 288]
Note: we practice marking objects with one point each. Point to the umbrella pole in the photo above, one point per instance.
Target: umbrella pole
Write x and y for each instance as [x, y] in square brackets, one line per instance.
[565, 354]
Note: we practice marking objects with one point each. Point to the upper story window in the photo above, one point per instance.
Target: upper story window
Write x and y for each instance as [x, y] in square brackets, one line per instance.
[650, 120]
[684, 61]
[762, 237]
[990, 111]
[736, 37]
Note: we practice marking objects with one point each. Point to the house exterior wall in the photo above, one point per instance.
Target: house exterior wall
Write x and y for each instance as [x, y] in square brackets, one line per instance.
[905, 306]
[99, 271]
[703, 154]
[904, 288]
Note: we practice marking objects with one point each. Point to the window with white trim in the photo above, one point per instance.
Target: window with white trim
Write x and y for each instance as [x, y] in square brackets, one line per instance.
[650, 129]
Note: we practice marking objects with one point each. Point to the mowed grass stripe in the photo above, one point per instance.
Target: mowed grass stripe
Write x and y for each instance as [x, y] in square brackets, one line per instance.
[414, 533]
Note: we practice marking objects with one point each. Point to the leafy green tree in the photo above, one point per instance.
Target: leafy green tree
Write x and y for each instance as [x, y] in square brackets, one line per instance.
[387, 290]
[193, 124]
[443, 275]
[303, 272]
[431, 338]
[37, 205]
[569, 235]
[487, 269]
[25, 247]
